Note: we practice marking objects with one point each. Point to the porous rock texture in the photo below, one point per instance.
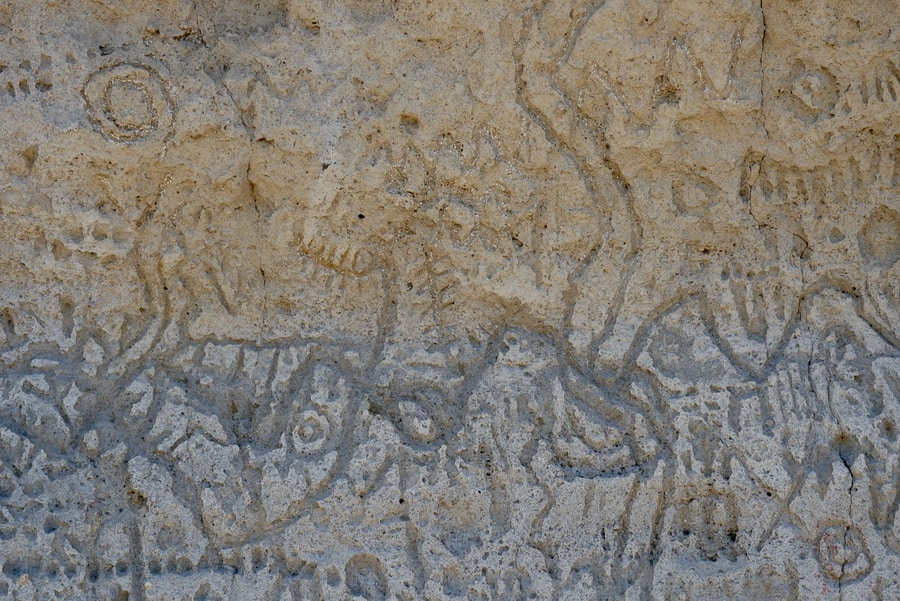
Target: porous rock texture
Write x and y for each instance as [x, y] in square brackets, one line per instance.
[412, 299]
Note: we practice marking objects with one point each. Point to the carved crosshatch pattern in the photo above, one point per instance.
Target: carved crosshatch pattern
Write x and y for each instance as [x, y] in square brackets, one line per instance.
[546, 299]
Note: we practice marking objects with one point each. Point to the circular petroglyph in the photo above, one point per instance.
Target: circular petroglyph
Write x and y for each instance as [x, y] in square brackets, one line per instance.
[879, 238]
[424, 416]
[843, 552]
[812, 92]
[418, 423]
[311, 433]
[815, 89]
[129, 102]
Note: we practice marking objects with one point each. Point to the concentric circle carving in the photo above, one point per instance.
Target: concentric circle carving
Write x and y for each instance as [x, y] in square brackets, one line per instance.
[843, 552]
[129, 102]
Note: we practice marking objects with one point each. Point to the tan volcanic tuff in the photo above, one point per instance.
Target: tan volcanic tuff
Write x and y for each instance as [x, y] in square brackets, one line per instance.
[393, 300]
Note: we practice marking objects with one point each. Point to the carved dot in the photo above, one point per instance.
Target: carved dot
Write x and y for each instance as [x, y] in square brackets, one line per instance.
[311, 432]
[835, 236]
[417, 422]
[366, 578]
[332, 576]
[879, 238]
[843, 553]
[409, 123]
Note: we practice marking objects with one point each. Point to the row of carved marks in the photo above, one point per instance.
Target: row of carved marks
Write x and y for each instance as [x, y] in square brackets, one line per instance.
[813, 93]
[753, 327]
[589, 438]
[837, 225]
[827, 88]
[582, 108]
[21, 81]
[832, 421]
[26, 76]
[592, 116]
[689, 199]
[847, 219]
[256, 439]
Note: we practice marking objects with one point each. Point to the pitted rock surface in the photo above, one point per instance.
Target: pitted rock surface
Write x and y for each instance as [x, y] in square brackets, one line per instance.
[396, 300]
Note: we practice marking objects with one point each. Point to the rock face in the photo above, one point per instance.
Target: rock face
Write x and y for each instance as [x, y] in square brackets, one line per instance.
[384, 299]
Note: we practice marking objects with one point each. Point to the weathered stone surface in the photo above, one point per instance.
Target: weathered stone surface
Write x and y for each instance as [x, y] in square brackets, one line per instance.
[382, 299]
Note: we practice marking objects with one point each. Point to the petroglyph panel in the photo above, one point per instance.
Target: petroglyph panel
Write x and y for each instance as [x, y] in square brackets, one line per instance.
[395, 300]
